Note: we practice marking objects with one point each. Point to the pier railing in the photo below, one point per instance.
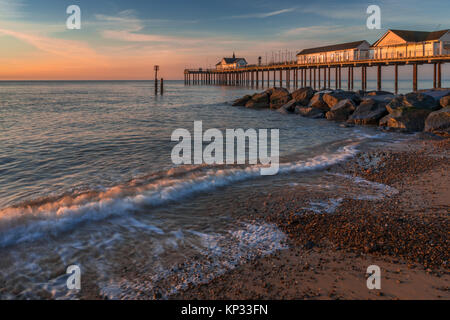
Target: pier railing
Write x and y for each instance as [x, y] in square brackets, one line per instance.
[299, 74]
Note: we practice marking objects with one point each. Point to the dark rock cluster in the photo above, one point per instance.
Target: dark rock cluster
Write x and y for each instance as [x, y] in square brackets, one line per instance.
[426, 110]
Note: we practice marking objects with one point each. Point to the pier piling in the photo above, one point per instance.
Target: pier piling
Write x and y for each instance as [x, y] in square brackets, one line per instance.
[297, 74]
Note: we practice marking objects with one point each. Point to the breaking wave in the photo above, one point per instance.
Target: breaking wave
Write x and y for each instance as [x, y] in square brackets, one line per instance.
[52, 216]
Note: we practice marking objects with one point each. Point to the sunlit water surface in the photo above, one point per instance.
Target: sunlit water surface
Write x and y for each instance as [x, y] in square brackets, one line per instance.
[86, 178]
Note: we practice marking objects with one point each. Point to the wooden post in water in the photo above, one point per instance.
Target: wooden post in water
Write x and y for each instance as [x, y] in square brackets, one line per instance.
[353, 81]
[156, 68]
[414, 76]
[288, 78]
[306, 77]
[340, 78]
[300, 79]
[336, 77]
[365, 77]
[314, 78]
[303, 70]
[379, 77]
[439, 75]
[434, 75]
[318, 78]
[257, 78]
[162, 86]
[396, 78]
[348, 79]
[329, 77]
[362, 78]
[262, 78]
[310, 77]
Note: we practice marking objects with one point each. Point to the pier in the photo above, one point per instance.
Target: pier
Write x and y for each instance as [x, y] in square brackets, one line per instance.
[315, 75]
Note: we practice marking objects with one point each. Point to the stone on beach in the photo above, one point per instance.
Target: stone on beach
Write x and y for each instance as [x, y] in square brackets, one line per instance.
[309, 112]
[303, 95]
[241, 101]
[288, 107]
[378, 93]
[406, 112]
[415, 100]
[317, 102]
[437, 93]
[259, 101]
[406, 119]
[438, 122]
[332, 98]
[445, 101]
[341, 111]
[369, 112]
[279, 97]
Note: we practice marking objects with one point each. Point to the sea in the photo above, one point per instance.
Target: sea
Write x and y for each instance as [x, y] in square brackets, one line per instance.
[87, 180]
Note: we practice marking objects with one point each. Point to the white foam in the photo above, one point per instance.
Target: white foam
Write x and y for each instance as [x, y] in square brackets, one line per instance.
[218, 254]
[328, 206]
[382, 189]
[28, 223]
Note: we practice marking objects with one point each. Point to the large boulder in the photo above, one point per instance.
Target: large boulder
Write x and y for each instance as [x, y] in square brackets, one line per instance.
[439, 121]
[303, 95]
[309, 112]
[437, 93]
[382, 96]
[360, 93]
[272, 90]
[317, 102]
[279, 97]
[242, 101]
[394, 104]
[333, 98]
[445, 101]
[420, 101]
[342, 110]
[259, 101]
[370, 111]
[378, 93]
[406, 119]
[415, 100]
[288, 107]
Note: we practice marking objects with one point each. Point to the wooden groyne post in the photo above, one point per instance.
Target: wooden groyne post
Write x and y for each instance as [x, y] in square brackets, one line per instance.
[156, 68]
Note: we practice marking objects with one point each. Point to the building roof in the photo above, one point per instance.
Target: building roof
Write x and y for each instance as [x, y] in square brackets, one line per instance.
[335, 47]
[415, 36]
[230, 60]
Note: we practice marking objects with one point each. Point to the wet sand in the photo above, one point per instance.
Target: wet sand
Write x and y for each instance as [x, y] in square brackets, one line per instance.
[405, 234]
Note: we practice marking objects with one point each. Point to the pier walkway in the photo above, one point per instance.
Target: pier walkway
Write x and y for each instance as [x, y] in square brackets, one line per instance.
[316, 75]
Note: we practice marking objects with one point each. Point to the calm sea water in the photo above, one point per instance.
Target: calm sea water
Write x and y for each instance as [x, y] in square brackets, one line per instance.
[86, 178]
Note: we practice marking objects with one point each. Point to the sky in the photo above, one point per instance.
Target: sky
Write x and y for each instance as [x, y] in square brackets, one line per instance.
[124, 39]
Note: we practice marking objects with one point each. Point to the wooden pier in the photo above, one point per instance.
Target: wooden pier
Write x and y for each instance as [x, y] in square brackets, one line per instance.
[315, 75]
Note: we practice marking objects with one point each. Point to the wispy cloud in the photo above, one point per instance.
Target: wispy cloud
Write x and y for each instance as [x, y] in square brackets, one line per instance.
[262, 15]
[75, 50]
[128, 28]
[393, 13]
[319, 31]
[11, 9]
